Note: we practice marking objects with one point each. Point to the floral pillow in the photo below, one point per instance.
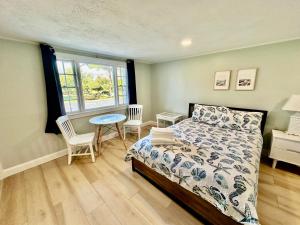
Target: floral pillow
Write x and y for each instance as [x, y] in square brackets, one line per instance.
[240, 120]
[209, 114]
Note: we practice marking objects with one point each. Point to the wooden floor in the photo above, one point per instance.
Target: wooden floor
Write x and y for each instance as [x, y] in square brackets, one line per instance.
[107, 192]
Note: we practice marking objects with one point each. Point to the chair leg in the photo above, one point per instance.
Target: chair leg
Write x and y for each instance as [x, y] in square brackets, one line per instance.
[139, 132]
[69, 155]
[96, 148]
[92, 152]
[124, 128]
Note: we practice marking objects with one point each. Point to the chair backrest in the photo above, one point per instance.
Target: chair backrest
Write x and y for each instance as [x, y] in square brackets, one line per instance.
[135, 112]
[65, 127]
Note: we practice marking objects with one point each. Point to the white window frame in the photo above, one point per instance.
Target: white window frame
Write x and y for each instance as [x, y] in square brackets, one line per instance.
[92, 60]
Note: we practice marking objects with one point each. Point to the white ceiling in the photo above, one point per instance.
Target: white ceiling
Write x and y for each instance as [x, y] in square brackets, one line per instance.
[151, 30]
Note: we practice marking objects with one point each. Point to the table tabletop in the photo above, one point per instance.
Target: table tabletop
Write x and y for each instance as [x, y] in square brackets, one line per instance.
[168, 115]
[107, 119]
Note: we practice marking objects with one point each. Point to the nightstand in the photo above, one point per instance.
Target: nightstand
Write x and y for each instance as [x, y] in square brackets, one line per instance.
[167, 116]
[285, 147]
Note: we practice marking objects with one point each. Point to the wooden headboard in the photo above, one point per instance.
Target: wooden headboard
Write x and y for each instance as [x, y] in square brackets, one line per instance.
[264, 112]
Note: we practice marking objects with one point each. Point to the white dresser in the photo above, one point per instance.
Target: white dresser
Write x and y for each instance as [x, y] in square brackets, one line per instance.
[285, 148]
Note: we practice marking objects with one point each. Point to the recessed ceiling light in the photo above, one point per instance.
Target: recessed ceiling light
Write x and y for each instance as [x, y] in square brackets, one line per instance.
[186, 42]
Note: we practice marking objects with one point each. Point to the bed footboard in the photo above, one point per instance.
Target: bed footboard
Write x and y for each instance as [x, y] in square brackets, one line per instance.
[200, 208]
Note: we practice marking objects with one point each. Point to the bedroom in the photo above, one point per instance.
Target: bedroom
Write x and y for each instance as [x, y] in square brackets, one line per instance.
[98, 58]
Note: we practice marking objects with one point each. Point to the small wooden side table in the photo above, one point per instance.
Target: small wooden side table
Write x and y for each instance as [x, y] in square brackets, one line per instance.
[167, 116]
[108, 121]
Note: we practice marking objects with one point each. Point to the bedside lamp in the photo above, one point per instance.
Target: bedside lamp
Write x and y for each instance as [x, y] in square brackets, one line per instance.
[293, 104]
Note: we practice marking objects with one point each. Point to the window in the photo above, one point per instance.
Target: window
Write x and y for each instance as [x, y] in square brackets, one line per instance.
[92, 83]
[122, 85]
[97, 85]
[68, 85]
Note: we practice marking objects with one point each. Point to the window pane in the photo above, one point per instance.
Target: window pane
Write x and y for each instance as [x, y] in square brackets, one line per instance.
[65, 93]
[122, 85]
[70, 99]
[68, 67]
[68, 86]
[71, 106]
[120, 89]
[62, 81]
[121, 100]
[67, 81]
[60, 67]
[97, 85]
[70, 81]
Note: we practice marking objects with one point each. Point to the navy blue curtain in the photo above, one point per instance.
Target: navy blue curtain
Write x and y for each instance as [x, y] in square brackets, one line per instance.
[55, 103]
[131, 81]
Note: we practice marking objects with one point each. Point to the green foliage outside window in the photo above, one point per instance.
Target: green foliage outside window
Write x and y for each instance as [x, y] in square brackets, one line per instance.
[97, 88]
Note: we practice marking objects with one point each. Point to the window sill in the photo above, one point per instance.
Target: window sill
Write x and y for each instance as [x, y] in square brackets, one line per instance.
[96, 112]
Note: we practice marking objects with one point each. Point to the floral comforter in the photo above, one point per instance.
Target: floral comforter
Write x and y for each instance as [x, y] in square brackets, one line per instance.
[218, 164]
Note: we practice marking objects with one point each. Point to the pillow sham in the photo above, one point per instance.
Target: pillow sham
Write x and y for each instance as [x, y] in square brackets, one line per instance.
[209, 114]
[241, 120]
[224, 117]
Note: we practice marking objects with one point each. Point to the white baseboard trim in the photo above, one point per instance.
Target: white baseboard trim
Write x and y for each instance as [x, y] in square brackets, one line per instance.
[35, 162]
[32, 163]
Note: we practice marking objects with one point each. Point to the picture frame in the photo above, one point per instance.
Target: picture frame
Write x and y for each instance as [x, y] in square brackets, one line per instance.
[246, 79]
[222, 80]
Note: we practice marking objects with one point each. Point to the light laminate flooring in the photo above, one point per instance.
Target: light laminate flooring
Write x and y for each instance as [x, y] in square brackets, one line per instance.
[107, 192]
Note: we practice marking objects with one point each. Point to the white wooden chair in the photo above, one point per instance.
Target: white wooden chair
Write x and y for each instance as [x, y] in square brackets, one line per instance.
[76, 142]
[134, 122]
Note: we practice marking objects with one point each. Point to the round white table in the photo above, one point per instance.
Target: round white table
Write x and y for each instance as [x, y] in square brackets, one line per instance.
[107, 120]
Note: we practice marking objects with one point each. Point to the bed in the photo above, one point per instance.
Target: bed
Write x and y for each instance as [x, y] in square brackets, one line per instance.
[210, 171]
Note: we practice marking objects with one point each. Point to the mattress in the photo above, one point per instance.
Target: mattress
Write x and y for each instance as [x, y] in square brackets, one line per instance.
[219, 165]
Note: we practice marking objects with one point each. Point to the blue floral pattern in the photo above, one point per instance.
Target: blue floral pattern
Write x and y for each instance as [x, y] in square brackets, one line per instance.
[219, 164]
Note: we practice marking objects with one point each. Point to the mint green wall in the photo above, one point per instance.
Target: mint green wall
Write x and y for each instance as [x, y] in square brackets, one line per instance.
[175, 84]
[160, 87]
[143, 88]
[23, 104]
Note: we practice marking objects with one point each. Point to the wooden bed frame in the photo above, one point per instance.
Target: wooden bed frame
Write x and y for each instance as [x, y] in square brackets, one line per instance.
[193, 203]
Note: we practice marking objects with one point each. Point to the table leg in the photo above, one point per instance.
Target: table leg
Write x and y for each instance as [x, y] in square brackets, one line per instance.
[96, 139]
[157, 122]
[99, 140]
[120, 135]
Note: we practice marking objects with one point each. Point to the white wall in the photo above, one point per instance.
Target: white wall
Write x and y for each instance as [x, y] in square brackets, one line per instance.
[23, 104]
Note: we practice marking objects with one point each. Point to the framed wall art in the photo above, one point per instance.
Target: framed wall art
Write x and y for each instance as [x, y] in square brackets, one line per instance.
[222, 80]
[246, 79]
